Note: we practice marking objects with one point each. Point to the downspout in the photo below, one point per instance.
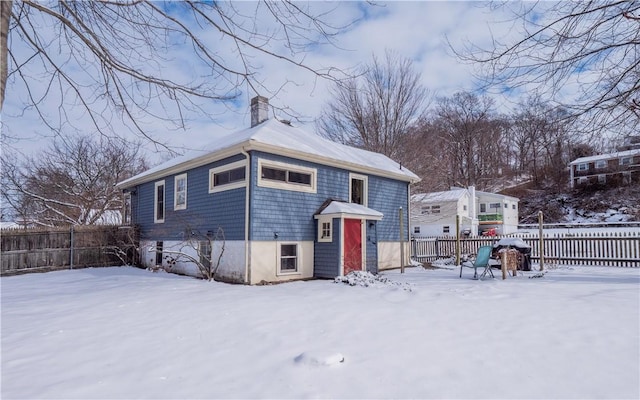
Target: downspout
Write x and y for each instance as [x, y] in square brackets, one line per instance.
[247, 263]
[409, 217]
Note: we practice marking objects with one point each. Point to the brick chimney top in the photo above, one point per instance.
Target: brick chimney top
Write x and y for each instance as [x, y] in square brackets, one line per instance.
[259, 110]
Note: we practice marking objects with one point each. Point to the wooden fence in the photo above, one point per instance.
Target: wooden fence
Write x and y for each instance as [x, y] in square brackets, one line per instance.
[41, 250]
[620, 249]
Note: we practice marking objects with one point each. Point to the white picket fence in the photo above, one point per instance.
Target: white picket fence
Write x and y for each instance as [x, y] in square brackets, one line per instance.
[620, 249]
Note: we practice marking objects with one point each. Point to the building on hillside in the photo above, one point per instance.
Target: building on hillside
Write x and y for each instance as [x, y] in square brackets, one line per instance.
[613, 169]
[434, 214]
[291, 205]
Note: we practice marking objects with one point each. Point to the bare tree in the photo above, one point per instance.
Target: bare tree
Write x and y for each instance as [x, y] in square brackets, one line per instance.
[542, 139]
[472, 136]
[375, 109]
[71, 183]
[596, 41]
[198, 248]
[111, 59]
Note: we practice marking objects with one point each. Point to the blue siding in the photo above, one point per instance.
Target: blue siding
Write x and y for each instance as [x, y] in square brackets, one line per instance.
[290, 213]
[326, 262]
[205, 211]
[387, 195]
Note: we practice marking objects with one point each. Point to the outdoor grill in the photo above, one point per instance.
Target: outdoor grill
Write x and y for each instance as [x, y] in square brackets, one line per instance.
[518, 244]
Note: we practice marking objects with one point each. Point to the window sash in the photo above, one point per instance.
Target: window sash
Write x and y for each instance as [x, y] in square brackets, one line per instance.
[227, 177]
[159, 202]
[288, 258]
[126, 212]
[180, 192]
[279, 175]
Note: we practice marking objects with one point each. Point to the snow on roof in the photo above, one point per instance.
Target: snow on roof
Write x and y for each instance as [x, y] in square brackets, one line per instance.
[275, 136]
[449, 195]
[340, 207]
[618, 154]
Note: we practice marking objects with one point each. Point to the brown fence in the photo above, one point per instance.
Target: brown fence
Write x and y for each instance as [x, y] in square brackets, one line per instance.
[38, 249]
[606, 248]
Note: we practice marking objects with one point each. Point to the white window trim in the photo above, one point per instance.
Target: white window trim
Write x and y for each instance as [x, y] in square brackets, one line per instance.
[582, 167]
[601, 164]
[602, 178]
[312, 188]
[155, 202]
[177, 206]
[279, 272]
[365, 189]
[622, 160]
[127, 209]
[325, 220]
[228, 186]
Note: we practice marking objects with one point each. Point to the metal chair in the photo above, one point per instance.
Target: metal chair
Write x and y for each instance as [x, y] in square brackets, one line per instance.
[481, 261]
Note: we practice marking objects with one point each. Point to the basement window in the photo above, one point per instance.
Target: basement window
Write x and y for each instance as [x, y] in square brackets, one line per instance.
[288, 256]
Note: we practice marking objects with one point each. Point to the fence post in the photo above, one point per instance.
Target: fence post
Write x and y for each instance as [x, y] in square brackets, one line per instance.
[71, 249]
[457, 239]
[401, 241]
[540, 240]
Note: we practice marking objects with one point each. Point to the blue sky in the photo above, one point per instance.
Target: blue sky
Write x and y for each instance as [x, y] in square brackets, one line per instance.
[412, 29]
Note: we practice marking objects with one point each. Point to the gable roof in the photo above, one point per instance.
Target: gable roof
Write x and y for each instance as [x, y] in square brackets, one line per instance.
[455, 195]
[448, 195]
[608, 156]
[335, 207]
[275, 137]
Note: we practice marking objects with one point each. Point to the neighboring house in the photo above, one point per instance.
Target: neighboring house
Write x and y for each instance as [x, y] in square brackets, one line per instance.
[613, 169]
[291, 205]
[434, 214]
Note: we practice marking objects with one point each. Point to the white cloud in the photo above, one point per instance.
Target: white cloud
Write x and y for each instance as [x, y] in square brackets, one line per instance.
[413, 29]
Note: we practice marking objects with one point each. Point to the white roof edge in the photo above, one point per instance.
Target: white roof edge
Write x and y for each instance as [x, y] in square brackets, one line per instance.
[606, 156]
[341, 208]
[250, 145]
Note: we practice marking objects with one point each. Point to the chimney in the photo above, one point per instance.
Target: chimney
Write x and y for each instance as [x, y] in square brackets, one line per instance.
[259, 110]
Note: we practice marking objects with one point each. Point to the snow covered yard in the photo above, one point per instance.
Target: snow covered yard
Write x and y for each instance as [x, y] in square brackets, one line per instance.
[128, 333]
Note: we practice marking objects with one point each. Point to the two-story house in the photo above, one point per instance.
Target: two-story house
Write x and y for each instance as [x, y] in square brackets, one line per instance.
[290, 204]
[612, 169]
[434, 214]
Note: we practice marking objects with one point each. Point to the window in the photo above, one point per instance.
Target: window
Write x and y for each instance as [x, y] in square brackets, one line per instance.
[226, 177]
[180, 192]
[583, 180]
[204, 252]
[159, 246]
[288, 258]
[445, 229]
[483, 207]
[425, 210]
[601, 164]
[494, 205]
[158, 208]
[506, 205]
[625, 161]
[513, 206]
[126, 209]
[626, 177]
[582, 167]
[464, 207]
[602, 179]
[358, 189]
[435, 209]
[324, 229]
[279, 175]
[416, 229]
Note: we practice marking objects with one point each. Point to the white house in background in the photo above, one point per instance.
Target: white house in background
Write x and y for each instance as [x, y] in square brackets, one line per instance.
[434, 214]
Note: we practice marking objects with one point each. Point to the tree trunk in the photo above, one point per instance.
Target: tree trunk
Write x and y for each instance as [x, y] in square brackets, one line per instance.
[5, 16]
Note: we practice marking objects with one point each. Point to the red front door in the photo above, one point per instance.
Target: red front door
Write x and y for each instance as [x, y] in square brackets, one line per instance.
[352, 245]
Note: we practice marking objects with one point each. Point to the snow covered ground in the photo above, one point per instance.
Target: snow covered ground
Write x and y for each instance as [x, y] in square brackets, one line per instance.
[128, 333]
